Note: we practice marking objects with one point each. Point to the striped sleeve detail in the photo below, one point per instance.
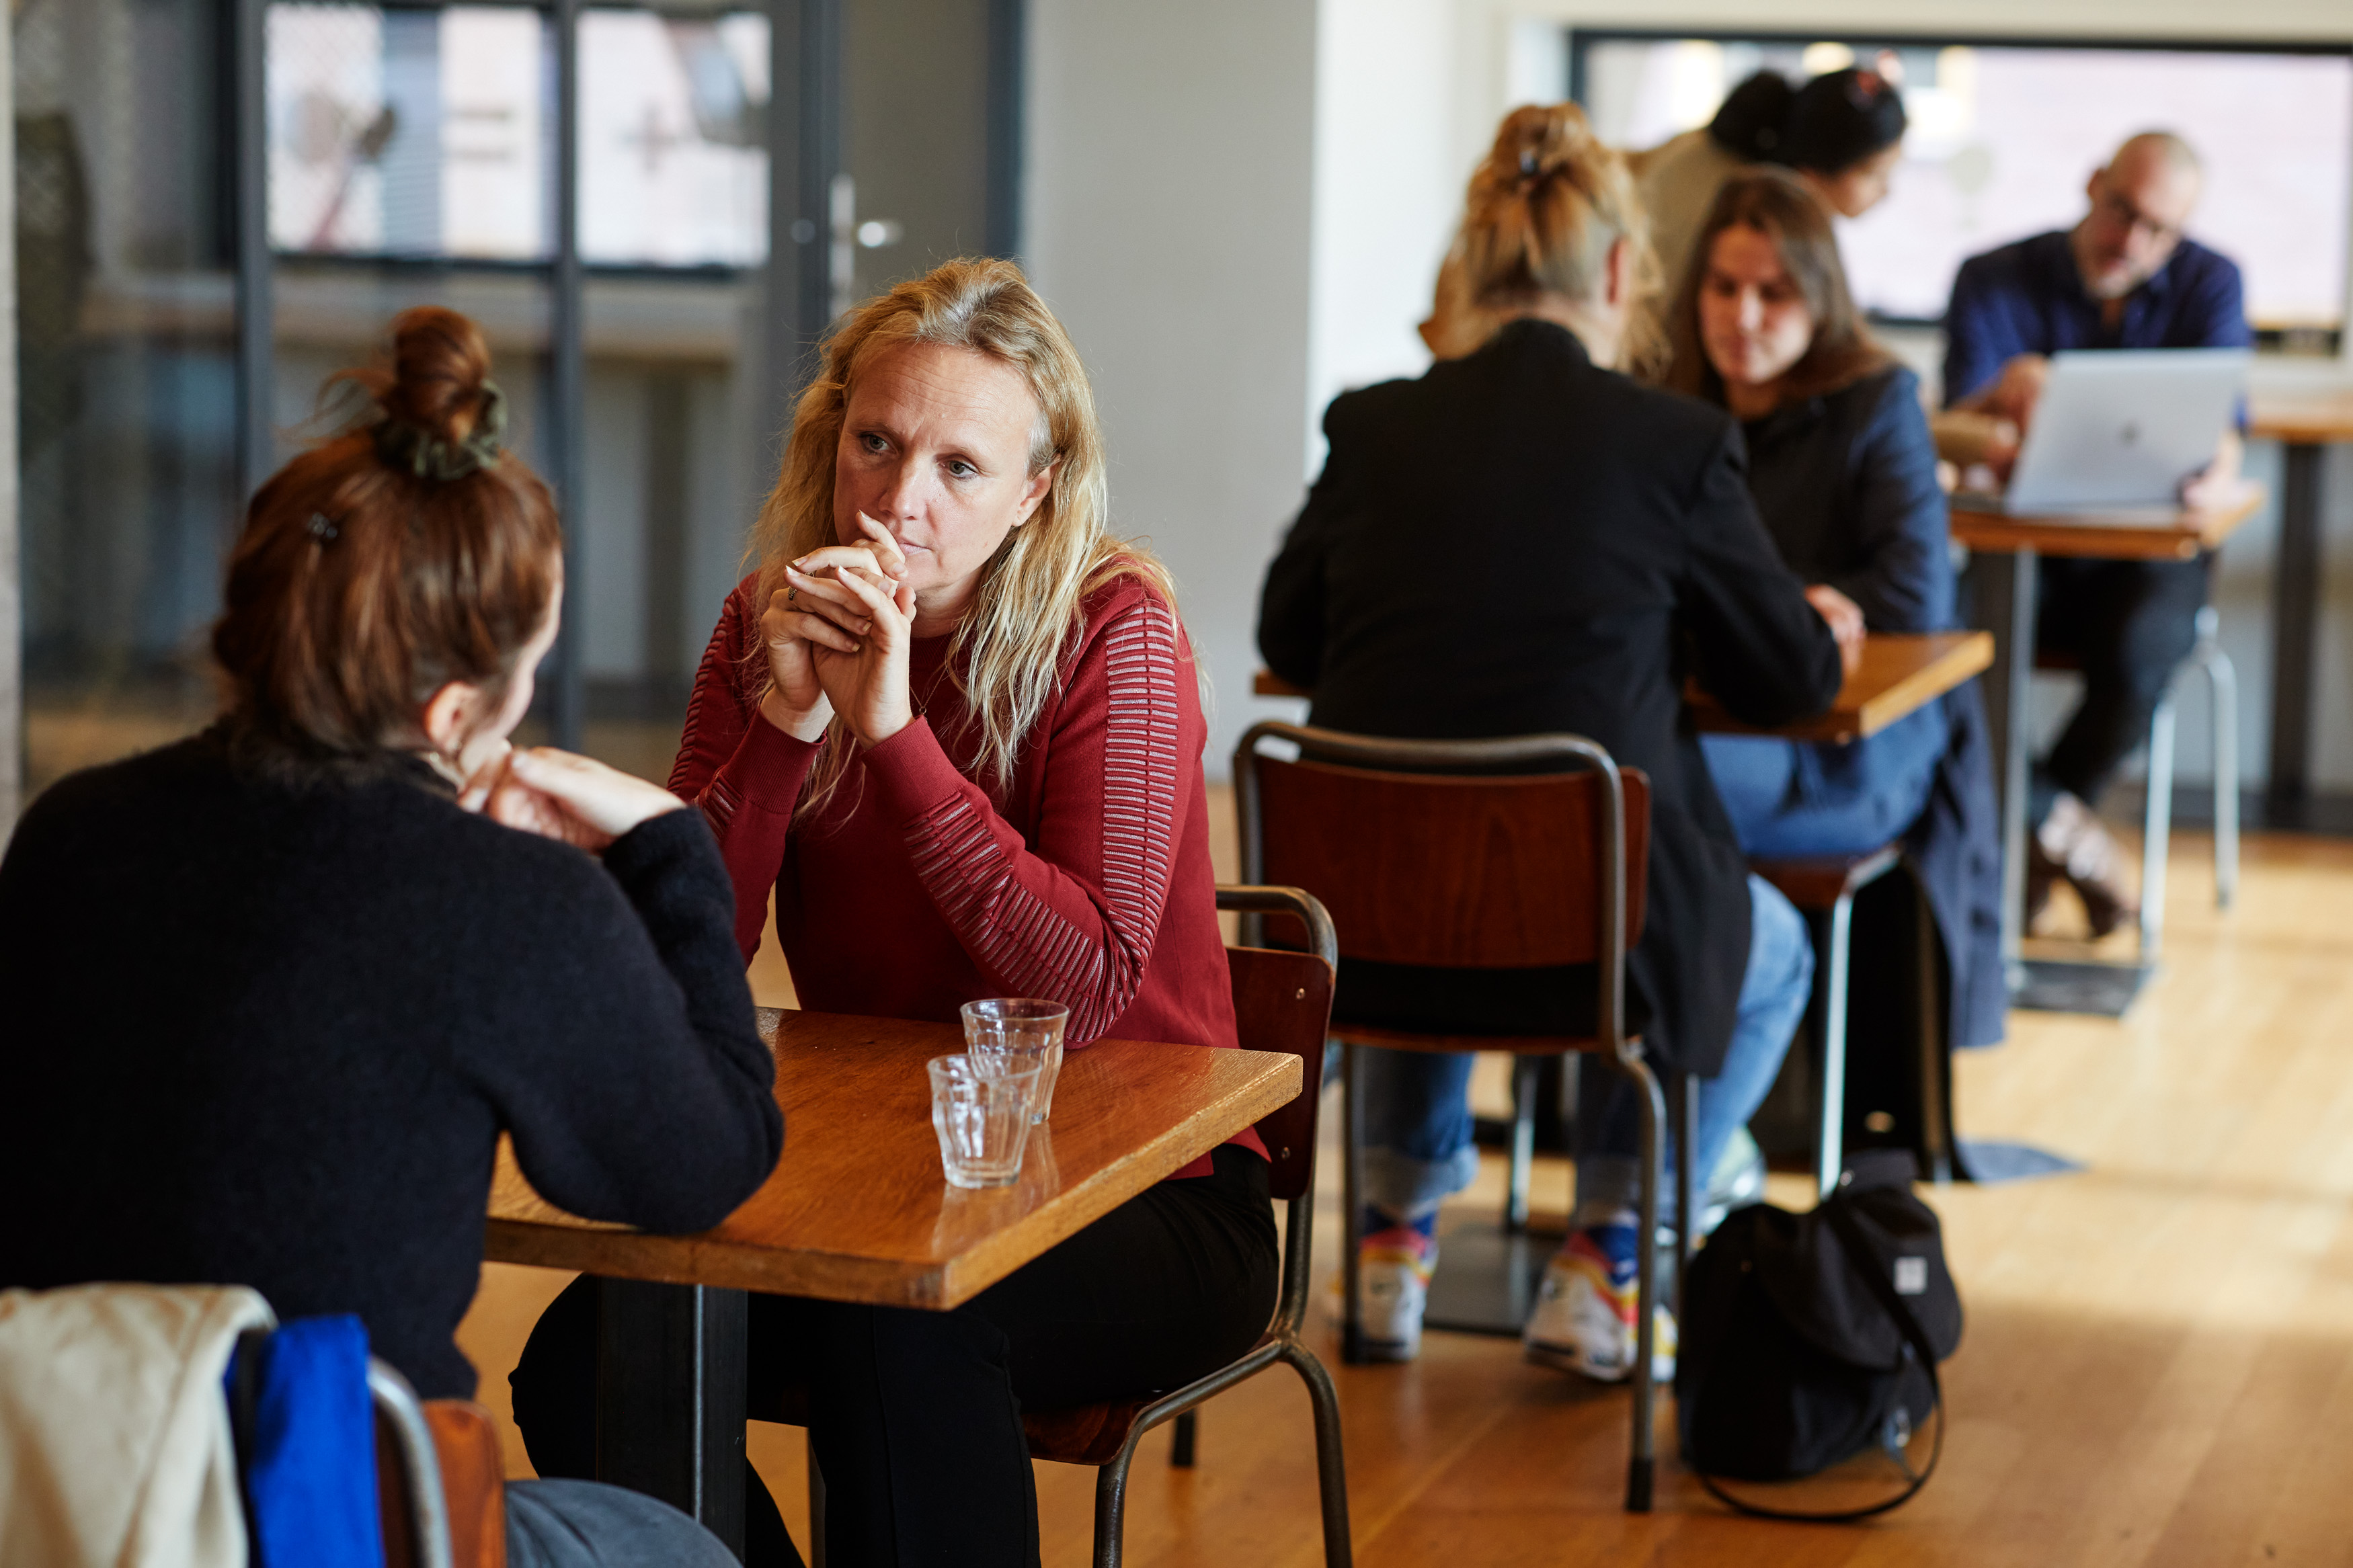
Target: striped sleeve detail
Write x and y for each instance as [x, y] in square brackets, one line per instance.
[717, 714]
[1036, 950]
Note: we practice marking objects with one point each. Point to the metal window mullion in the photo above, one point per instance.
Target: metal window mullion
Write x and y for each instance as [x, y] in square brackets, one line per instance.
[256, 373]
[568, 374]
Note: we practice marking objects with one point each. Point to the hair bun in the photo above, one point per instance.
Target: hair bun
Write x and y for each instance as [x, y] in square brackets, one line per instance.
[1751, 123]
[439, 382]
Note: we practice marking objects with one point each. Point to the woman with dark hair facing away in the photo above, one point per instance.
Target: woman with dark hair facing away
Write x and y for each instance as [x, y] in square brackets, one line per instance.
[296, 975]
[952, 724]
[1843, 469]
[1842, 135]
[1525, 540]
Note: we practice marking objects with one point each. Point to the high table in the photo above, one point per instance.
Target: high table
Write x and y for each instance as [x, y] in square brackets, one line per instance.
[2304, 425]
[2006, 548]
[858, 1211]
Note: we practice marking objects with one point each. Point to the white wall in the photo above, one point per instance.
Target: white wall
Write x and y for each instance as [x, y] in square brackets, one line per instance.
[1166, 222]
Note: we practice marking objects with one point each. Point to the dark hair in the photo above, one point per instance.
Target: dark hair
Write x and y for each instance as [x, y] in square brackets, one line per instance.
[405, 553]
[1833, 122]
[1775, 205]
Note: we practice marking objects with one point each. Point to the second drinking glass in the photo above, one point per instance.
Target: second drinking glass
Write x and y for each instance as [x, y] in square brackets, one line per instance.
[1019, 1034]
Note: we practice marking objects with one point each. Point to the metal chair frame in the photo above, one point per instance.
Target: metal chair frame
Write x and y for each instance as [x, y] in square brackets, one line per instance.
[1283, 1341]
[420, 1466]
[1517, 754]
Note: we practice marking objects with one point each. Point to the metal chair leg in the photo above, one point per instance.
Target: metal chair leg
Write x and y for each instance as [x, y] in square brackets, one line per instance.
[1181, 1440]
[1331, 1467]
[2158, 825]
[1642, 1464]
[2222, 681]
[817, 1506]
[1352, 1204]
[1524, 1070]
[1111, 1507]
[1688, 1192]
[1829, 1150]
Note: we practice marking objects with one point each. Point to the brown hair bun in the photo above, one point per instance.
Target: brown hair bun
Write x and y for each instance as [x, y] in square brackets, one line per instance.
[402, 553]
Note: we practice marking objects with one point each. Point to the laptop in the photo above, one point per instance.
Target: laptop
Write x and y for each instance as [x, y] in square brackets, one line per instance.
[2122, 428]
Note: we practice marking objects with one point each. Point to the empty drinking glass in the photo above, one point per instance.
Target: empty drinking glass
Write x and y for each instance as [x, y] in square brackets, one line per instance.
[1019, 1034]
[982, 1120]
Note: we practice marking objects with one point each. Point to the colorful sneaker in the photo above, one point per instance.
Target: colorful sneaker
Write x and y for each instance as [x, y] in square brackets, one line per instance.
[1393, 1269]
[1584, 1312]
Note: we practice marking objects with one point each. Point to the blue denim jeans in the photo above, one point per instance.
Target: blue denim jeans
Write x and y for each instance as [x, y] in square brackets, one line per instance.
[1417, 1109]
[1789, 800]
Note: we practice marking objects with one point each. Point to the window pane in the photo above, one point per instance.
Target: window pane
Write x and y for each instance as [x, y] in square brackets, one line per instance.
[673, 140]
[125, 372]
[410, 133]
[2002, 138]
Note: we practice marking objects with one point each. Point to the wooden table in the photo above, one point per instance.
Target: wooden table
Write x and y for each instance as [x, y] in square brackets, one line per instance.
[858, 1211]
[2006, 549]
[1899, 673]
[2304, 425]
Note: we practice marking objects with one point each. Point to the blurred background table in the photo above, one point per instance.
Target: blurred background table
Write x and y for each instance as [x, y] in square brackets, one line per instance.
[2304, 424]
[2005, 549]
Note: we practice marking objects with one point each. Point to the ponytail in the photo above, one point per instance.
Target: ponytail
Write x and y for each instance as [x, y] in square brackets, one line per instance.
[1542, 211]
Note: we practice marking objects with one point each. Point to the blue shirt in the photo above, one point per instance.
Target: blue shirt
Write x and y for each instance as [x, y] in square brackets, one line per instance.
[2029, 299]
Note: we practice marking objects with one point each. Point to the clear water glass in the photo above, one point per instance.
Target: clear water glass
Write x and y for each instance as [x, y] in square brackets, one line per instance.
[1019, 1034]
[982, 1120]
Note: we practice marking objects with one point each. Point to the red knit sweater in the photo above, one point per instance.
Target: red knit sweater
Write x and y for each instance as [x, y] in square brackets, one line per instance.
[914, 891]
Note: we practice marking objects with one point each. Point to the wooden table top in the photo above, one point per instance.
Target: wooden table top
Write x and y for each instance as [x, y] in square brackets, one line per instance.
[858, 1210]
[2143, 534]
[1900, 672]
[2311, 418]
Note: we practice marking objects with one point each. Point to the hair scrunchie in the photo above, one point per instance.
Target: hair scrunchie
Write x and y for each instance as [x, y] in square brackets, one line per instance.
[428, 457]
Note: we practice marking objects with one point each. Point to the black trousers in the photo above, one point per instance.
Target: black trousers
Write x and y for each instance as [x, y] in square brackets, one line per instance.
[2131, 624]
[916, 1415]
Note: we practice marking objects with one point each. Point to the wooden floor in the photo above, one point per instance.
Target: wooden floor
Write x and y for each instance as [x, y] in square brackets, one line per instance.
[2158, 1361]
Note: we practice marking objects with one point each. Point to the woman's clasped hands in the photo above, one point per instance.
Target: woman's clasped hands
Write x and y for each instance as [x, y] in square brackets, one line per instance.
[837, 635]
[572, 799]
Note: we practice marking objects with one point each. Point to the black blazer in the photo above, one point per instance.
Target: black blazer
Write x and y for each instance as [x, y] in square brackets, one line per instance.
[1520, 541]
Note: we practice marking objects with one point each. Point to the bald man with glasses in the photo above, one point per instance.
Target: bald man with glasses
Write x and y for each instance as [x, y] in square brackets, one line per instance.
[2125, 276]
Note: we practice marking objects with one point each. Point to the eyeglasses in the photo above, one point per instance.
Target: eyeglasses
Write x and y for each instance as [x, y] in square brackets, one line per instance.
[2118, 209]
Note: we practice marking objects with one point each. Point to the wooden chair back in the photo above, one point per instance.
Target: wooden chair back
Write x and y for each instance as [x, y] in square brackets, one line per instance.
[1282, 1002]
[441, 1479]
[1424, 854]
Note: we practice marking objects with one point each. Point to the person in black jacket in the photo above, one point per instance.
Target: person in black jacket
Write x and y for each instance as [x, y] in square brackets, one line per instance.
[275, 991]
[1523, 540]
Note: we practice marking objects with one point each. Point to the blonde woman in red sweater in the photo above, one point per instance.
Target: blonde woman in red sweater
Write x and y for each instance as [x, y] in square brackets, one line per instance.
[955, 725]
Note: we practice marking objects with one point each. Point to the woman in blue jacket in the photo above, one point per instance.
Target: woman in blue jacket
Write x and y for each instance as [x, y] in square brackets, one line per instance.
[1844, 471]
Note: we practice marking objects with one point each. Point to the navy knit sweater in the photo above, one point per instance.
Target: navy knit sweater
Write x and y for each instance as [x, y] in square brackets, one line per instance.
[263, 1032]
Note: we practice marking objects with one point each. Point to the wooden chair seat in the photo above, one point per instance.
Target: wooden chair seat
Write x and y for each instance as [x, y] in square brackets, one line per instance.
[1819, 884]
[1084, 1434]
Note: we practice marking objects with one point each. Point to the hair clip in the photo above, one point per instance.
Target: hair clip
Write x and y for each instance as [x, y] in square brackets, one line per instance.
[322, 529]
[1527, 162]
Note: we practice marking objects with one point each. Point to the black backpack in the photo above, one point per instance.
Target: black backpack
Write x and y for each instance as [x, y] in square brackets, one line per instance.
[1808, 1338]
